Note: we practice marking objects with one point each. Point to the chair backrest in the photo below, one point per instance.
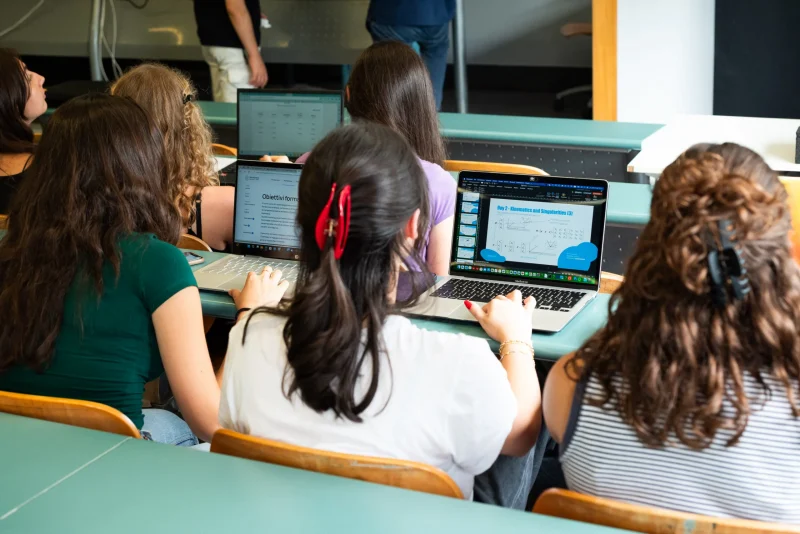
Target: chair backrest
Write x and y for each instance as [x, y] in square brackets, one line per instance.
[3, 222]
[37, 136]
[452, 165]
[579, 507]
[610, 282]
[223, 150]
[390, 472]
[793, 188]
[190, 242]
[73, 412]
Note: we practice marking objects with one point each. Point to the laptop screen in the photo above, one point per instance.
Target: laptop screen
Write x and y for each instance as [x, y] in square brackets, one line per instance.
[266, 210]
[285, 123]
[529, 228]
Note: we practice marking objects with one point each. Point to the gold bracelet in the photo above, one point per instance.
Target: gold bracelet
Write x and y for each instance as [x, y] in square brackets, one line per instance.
[505, 344]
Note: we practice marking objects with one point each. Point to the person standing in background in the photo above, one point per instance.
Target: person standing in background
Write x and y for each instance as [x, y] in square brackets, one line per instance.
[230, 32]
[425, 22]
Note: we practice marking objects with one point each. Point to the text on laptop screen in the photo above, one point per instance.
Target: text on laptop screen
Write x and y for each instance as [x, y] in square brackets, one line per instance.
[285, 123]
[266, 210]
[530, 227]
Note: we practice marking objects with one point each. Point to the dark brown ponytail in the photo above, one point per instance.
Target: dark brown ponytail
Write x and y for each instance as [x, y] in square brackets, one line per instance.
[336, 300]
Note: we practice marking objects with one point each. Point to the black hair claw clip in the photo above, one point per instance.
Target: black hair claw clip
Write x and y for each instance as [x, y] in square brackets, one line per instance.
[726, 267]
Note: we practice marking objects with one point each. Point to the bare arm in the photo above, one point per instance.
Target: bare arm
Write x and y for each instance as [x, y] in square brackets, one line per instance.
[217, 213]
[441, 237]
[508, 318]
[178, 323]
[558, 393]
[524, 382]
[240, 19]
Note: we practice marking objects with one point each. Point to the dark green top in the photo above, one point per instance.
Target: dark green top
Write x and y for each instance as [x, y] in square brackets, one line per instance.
[107, 349]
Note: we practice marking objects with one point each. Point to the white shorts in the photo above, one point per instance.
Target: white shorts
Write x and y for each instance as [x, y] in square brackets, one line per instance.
[229, 71]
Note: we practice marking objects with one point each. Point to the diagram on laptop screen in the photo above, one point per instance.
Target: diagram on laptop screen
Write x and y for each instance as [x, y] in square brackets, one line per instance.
[544, 233]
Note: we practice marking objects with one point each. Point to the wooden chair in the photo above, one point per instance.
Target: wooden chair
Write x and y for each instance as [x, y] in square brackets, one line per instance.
[571, 505]
[452, 165]
[37, 136]
[3, 222]
[793, 188]
[223, 150]
[73, 412]
[390, 472]
[610, 282]
[190, 242]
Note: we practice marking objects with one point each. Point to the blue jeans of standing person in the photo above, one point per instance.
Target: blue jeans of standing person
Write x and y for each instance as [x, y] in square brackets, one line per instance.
[164, 426]
[433, 41]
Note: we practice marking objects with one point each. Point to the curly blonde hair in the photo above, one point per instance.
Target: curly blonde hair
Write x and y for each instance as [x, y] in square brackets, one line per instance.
[680, 355]
[169, 97]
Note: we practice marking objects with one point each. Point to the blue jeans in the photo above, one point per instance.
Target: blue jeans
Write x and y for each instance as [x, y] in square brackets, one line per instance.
[433, 41]
[509, 481]
[166, 427]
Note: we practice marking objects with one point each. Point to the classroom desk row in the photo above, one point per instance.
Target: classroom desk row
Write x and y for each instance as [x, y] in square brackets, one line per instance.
[507, 128]
[567, 147]
[547, 346]
[58, 478]
[628, 204]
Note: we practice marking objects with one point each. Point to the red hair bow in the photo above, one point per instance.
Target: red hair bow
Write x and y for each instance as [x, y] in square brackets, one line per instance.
[337, 228]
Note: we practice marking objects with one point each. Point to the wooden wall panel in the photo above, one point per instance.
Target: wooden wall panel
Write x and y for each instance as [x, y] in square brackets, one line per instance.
[604, 59]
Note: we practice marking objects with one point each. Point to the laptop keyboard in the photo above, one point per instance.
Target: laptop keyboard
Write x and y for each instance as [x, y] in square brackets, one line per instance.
[547, 298]
[241, 265]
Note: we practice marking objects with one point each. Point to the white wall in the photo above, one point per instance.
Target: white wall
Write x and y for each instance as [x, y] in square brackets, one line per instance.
[665, 59]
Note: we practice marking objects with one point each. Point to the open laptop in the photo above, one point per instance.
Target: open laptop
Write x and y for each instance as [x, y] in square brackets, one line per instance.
[282, 122]
[265, 230]
[542, 235]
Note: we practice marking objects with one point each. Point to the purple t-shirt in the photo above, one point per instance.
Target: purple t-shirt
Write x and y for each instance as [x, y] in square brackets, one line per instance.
[441, 194]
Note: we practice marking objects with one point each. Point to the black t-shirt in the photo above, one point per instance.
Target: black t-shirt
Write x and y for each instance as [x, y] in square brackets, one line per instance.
[214, 27]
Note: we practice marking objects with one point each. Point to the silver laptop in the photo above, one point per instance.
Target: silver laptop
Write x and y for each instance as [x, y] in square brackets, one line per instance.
[265, 230]
[542, 235]
[285, 122]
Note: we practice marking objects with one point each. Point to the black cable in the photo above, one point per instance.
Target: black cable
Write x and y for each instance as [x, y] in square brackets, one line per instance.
[138, 6]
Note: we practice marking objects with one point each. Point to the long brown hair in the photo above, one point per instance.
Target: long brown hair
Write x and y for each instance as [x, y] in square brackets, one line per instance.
[16, 136]
[678, 354]
[169, 96]
[390, 85]
[335, 300]
[99, 174]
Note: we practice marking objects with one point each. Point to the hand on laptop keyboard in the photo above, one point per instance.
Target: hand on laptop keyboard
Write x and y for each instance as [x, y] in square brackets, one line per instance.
[263, 289]
[547, 298]
[505, 317]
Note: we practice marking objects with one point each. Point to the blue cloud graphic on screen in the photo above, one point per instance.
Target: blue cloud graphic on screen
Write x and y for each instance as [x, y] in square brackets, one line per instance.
[490, 255]
[577, 258]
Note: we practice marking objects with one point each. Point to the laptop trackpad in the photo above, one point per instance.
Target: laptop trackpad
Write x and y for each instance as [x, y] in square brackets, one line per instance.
[461, 313]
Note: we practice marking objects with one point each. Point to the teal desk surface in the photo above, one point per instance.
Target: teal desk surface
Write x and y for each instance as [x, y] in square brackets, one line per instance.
[503, 128]
[542, 130]
[587, 133]
[27, 456]
[136, 486]
[547, 346]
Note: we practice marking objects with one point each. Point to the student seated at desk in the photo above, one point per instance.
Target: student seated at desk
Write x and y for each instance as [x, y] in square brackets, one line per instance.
[338, 369]
[169, 97]
[689, 399]
[95, 301]
[390, 85]
[22, 101]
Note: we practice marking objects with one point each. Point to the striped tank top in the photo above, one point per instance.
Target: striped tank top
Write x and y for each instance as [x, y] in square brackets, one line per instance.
[758, 478]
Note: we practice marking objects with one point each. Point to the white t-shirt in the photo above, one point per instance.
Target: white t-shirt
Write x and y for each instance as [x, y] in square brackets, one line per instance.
[446, 402]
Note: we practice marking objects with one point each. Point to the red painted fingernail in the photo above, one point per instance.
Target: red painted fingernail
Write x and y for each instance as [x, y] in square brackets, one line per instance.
[468, 304]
